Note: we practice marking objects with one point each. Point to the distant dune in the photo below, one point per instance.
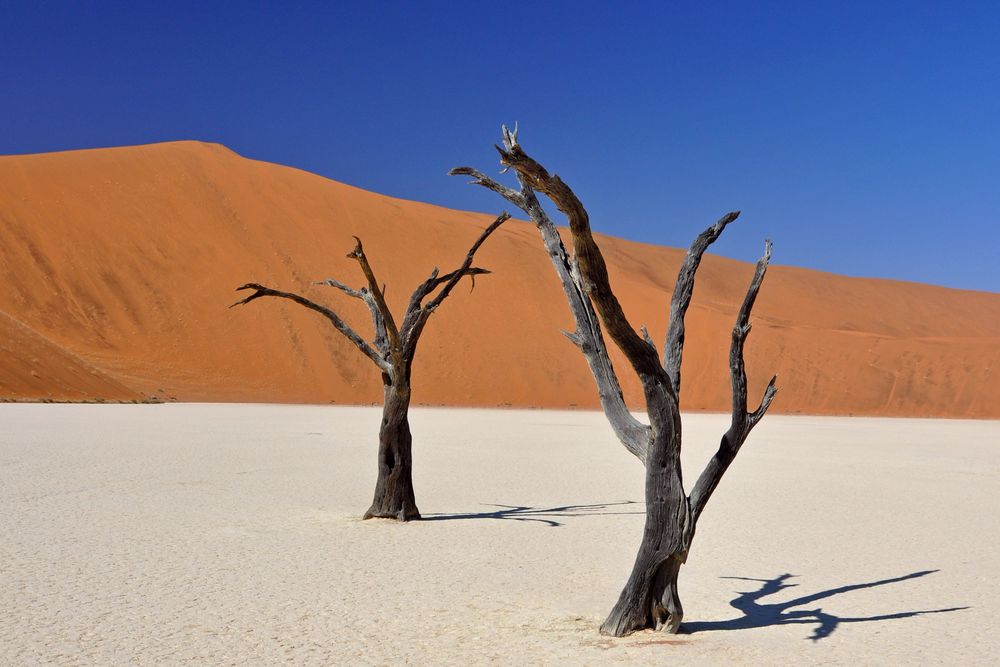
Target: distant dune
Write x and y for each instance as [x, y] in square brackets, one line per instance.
[118, 266]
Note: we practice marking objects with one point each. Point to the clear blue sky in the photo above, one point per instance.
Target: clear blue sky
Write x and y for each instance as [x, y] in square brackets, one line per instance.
[863, 137]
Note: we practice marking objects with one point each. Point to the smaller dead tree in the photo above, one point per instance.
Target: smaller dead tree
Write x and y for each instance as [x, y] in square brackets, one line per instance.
[392, 351]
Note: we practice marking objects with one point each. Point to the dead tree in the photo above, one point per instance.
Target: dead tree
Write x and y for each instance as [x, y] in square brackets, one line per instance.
[650, 598]
[392, 351]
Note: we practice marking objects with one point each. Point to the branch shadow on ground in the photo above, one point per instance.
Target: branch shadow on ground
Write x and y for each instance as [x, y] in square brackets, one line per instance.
[757, 615]
[537, 514]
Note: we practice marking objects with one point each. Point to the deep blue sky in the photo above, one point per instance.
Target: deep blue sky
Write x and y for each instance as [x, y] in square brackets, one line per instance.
[864, 138]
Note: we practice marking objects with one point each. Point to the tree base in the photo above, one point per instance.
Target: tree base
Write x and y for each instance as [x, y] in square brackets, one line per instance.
[648, 602]
[405, 513]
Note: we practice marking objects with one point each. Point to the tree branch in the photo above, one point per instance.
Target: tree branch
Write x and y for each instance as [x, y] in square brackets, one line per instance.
[381, 339]
[633, 434]
[338, 323]
[511, 195]
[593, 268]
[451, 279]
[349, 291]
[737, 365]
[416, 314]
[673, 348]
[419, 294]
[472, 272]
[742, 421]
[390, 324]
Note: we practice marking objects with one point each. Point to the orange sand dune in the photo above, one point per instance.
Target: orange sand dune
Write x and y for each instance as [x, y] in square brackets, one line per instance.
[119, 264]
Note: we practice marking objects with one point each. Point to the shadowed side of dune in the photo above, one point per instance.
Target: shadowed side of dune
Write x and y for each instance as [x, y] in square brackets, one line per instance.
[33, 368]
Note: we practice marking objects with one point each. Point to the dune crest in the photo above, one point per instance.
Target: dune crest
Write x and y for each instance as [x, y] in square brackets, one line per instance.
[119, 265]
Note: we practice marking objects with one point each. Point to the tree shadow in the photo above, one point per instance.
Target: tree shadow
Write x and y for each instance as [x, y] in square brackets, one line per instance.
[757, 615]
[537, 514]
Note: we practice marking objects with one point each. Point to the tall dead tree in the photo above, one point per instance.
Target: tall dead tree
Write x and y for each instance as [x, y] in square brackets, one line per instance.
[392, 351]
[650, 598]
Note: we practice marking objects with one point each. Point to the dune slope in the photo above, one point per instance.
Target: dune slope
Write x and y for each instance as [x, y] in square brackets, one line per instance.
[34, 368]
[123, 261]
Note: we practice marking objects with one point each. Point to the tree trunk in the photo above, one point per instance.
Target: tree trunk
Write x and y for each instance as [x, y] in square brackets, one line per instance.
[650, 598]
[394, 488]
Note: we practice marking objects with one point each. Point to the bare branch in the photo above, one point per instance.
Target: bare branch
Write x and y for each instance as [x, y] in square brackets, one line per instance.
[349, 291]
[673, 348]
[390, 324]
[378, 324]
[416, 315]
[509, 136]
[593, 268]
[742, 421]
[765, 402]
[381, 339]
[338, 323]
[741, 330]
[466, 269]
[576, 338]
[511, 195]
[433, 282]
[472, 272]
[419, 294]
[633, 434]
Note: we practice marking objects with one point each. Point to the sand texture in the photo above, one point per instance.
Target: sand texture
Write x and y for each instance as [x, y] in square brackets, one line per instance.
[229, 534]
[118, 265]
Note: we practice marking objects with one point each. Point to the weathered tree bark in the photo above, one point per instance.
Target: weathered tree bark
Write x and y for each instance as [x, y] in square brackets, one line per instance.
[650, 598]
[394, 488]
[392, 351]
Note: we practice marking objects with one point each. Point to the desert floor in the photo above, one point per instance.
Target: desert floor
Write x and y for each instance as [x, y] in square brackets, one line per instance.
[231, 534]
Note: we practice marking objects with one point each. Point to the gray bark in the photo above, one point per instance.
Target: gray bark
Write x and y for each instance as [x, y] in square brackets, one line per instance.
[633, 434]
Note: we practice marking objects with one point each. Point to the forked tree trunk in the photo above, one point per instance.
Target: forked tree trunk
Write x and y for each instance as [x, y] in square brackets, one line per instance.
[650, 598]
[394, 497]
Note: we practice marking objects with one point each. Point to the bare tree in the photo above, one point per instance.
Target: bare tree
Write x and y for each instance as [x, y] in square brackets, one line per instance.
[650, 598]
[392, 351]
